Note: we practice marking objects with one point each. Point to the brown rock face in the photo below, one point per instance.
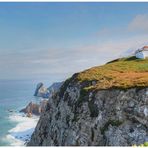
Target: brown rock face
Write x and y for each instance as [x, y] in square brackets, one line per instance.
[34, 109]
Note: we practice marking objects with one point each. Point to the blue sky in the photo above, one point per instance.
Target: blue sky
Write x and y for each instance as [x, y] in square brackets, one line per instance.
[54, 40]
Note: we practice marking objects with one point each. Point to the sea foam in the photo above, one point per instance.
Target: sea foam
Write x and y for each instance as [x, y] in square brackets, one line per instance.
[21, 133]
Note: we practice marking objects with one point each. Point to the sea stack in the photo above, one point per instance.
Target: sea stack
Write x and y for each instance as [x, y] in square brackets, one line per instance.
[41, 91]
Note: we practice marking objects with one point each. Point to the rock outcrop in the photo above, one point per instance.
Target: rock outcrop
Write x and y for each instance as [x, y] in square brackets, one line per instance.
[34, 109]
[54, 88]
[102, 106]
[42, 91]
[111, 117]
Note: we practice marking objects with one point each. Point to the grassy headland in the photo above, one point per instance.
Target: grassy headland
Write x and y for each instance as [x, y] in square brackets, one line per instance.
[121, 73]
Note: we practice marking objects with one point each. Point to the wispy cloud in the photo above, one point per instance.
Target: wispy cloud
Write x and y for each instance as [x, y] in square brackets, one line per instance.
[110, 43]
[139, 23]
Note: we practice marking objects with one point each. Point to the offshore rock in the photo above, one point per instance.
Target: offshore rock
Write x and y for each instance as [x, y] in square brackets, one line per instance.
[42, 91]
[34, 109]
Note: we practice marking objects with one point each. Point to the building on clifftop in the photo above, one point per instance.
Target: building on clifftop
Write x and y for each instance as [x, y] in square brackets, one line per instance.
[142, 53]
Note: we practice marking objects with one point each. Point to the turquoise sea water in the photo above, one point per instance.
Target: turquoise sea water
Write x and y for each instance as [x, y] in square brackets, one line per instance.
[14, 95]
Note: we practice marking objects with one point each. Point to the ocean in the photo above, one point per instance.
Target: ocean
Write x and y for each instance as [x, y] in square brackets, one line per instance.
[15, 128]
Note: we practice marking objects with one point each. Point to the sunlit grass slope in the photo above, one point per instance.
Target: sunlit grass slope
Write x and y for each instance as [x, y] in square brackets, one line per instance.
[121, 73]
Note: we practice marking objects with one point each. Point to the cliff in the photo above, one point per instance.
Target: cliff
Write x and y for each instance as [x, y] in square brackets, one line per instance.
[101, 106]
[42, 91]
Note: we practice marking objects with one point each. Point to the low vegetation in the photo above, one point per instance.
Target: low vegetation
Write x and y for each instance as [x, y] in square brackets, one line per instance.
[121, 73]
[145, 144]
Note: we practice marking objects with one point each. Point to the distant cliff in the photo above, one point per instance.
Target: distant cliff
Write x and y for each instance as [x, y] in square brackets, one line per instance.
[101, 106]
[42, 91]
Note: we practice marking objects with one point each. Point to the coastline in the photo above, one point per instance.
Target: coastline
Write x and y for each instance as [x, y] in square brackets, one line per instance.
[21, 133]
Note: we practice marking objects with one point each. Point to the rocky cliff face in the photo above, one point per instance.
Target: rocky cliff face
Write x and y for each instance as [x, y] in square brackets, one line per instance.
[54, 88]
[77, 117]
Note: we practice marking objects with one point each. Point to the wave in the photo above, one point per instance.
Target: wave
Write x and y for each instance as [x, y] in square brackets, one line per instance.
[21, 133]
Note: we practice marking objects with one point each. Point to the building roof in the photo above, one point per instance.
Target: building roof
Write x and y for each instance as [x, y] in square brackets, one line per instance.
[145, 48]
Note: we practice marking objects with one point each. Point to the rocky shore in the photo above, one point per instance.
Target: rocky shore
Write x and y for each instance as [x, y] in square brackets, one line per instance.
[42, 92]
[34, 109]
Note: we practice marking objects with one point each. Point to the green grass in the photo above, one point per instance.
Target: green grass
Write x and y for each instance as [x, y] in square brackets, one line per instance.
[121, 73]
[145, 143]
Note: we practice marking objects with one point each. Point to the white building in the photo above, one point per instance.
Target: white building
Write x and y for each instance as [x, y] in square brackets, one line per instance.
[142, 53]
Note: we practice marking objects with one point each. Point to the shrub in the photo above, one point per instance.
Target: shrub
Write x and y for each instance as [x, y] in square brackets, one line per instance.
[145, 143]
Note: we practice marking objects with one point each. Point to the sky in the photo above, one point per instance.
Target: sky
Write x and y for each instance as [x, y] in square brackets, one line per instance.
[54, 40]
